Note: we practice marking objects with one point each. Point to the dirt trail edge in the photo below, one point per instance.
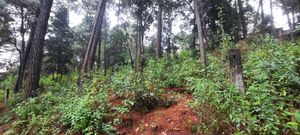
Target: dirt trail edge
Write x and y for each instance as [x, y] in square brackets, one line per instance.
[178, 119]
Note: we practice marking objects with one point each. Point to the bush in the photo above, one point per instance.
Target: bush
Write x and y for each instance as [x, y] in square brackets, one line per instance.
[7, 84]
[125, 82]
[88, 114]
[270, 72]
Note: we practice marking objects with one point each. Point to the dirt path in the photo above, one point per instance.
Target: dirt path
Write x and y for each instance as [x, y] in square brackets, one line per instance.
[178, 119]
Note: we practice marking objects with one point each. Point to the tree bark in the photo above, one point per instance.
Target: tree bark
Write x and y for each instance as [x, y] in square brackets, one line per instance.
[169, 46]
[139, 45]
[105, 59]
[289, 20]
[97, 34]
[159, 32]
[25, 56]
[242, 18]
[32, 73]
[256, 16]
[200, 34]
[272, 18]
[204, 30]
[89, 57]
[22, 32]
[262, 15]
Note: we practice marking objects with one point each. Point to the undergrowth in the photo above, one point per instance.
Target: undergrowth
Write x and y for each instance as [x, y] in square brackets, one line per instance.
[269, 106]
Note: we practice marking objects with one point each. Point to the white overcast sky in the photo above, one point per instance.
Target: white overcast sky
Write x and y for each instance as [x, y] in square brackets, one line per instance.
[279, 18]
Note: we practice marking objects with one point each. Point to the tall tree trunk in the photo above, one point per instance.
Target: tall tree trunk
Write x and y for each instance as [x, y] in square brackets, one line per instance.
[26, 53]
[32, 75]
[293, 17]
[288, 19]
[200, 34]
[98, 33]
[204, 30]
[99, 56]
[130, 56]
[89, 57]
[272, 18]
[256, 16]
[22, 32]
[143, 62]
[159, 32]
[262, 15]
[169, 35]
[193, 45]
[139, 45]
[105, 59]
[242, 18]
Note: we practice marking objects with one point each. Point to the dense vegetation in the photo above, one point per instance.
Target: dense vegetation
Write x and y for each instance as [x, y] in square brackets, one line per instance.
[269, 106]
[150, 67]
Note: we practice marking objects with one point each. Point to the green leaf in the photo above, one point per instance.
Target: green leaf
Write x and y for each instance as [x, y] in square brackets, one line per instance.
[297, 115]
[294, 125]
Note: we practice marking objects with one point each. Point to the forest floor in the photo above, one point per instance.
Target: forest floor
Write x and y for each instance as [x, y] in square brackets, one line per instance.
[177, 119]
[2, 112]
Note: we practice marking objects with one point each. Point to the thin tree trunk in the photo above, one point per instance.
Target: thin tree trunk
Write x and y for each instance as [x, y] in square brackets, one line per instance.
[130, 55]
[99, 56]
[242, 18]
[272, 18]
[193, 45]
[32, 75]
[262, 10]
[105, 59]
[257, 15]
[289, 20]
[200, 35]
[139, 45]
[293, 17]
[22, 32]
[262, 15]
[204, 30]
[169, 35]
[159, 32]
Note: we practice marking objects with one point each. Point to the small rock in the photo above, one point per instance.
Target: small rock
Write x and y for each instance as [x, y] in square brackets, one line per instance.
[176, 129]
[164, 133]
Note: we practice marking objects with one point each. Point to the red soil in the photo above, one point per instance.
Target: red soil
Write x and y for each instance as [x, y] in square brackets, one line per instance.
[2, 107]
[178, 119]
[3, 128]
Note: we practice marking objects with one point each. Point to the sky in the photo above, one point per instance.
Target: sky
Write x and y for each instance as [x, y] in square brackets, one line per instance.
[279, 18]
[75, 19]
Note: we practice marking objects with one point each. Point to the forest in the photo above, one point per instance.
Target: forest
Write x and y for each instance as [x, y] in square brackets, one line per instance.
[149, 67]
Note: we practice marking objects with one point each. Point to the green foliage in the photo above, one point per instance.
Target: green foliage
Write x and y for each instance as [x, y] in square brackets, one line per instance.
[147, 101]
[59, 54]
[62, 105]
[88, 113]
[295, 124]
[36, 116]
[125, 82]
[172, 72]
[7, 84]
[270, 72]
[269, 106]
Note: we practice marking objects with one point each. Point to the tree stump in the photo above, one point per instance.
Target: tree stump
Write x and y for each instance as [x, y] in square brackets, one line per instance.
[236, 69]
